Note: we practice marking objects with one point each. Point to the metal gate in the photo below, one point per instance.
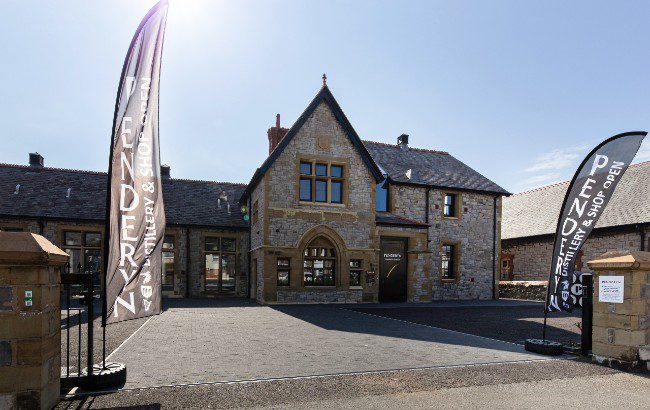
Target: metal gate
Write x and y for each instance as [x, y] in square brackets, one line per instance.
[77, 314]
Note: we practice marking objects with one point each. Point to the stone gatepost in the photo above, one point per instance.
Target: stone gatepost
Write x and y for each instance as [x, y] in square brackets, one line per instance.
[621, 324]
[30, 321]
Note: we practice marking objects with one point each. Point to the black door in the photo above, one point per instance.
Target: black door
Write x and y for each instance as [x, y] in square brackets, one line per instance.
[392, 275]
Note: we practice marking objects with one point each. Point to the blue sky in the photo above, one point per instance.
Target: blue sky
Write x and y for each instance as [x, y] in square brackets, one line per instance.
[519, 90]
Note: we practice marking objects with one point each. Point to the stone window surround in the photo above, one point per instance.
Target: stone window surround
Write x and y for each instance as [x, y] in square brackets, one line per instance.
[345, 179]
[456, 261]
[459, 202]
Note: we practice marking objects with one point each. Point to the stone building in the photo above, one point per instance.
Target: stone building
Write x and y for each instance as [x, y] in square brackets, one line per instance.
[530, 221]
[326, 218]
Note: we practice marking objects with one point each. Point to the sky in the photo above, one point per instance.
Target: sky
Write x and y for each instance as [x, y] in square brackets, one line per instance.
[520, 91]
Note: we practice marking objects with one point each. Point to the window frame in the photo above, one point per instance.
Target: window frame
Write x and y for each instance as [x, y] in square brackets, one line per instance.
[313, 177]
[173, 250]
[456, 205]
[82, 248]
[359, 270]
[221, 252]
[283, 268]
[455, 261]
[332, 257]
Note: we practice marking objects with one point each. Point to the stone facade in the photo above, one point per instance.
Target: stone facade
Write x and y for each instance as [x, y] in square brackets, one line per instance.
[531, 258]
[53, 230]
[472, 230]
[282, 226]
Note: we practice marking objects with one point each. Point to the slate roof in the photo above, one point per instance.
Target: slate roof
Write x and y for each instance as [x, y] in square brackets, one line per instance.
[44, 194]
[388, 219]
[535, 212]
[323, 96]
[429, 168]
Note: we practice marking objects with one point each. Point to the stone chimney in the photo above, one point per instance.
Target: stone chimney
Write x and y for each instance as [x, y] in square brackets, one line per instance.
[36, 160]
[165, 172]
[276, 134]
[403, 141]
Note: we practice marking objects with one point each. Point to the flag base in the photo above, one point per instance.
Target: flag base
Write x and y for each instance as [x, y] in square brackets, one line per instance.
[545, 347]
[104, 377]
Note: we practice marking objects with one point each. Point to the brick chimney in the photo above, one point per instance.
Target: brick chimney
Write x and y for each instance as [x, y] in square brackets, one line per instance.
[403, 141]
[276, 134]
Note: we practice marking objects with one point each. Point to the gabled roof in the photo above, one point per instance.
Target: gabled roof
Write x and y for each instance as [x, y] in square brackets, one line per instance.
[535, 212]
[324, 95]
[414, 166]
[44, 194]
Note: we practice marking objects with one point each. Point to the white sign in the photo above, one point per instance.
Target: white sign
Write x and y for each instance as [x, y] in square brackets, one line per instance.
[610, 289]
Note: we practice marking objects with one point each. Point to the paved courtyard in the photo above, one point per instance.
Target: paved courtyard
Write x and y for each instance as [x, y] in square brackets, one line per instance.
[203, 341]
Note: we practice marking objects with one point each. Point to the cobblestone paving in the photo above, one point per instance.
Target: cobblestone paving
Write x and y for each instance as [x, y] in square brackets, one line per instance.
[213, 342]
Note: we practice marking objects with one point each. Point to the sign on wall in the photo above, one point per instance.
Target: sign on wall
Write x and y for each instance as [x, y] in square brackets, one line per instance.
[610, 289]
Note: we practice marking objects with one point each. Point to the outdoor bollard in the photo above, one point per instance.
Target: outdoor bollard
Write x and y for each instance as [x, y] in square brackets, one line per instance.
[30, 321]
[621, 330]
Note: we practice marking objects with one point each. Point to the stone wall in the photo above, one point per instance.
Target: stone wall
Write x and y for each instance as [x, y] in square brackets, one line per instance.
[285, 225]
[53, 231]
[522, 289]
[472, 230]
[532, 257]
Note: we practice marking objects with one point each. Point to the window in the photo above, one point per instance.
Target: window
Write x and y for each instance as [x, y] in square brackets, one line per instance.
[450, 205]
[381, 197]
[255, 212]
[84, 249]
[319, 263]
[448, 261]
[355, 272]
[284, 270]
[321, 182]
[220, 264]
[305, 189]
[305, 168]
[168, 263]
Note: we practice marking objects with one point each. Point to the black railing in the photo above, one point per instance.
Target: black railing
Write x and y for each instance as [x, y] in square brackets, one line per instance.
[77, 310]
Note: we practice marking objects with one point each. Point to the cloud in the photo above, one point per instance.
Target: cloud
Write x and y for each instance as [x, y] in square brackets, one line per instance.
[557, 159]
[544, 178]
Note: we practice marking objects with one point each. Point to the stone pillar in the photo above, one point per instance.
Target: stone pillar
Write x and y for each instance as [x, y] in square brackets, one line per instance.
[30, 321]
[621, 331]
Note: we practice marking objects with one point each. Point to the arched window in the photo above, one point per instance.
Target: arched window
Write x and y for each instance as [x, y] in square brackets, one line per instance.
[319, 263]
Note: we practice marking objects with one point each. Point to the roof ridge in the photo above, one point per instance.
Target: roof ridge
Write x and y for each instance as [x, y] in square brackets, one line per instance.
[81, 171]
[567, 181]
[385, 144]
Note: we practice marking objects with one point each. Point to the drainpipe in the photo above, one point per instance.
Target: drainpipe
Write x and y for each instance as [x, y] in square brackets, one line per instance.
[642, 234]
[426, 213]
[187, 262]
[494, 248]
[250, 237]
